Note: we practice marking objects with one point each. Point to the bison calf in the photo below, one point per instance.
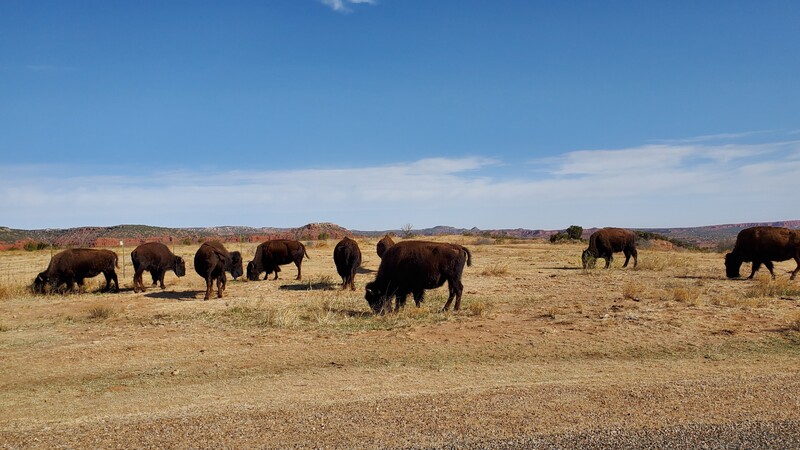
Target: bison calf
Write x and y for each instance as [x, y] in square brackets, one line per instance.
[75, 265]
[762, 245]
[347, 257]
[604, 242]
[155, 258]
[410, 267]
[211, 262]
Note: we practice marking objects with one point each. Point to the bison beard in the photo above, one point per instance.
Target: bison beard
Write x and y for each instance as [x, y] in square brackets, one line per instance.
[411, 267]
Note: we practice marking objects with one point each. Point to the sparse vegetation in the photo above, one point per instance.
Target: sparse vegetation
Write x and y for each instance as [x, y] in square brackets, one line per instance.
[497, 269]
[632, 291]
[100, 312]
[32, 246]
[765, 286]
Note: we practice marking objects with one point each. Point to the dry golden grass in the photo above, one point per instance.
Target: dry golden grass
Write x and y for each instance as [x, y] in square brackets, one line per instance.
[290, 352]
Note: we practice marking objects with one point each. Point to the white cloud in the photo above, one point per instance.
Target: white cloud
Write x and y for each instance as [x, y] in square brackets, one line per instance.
[652, 185]
[342, 5]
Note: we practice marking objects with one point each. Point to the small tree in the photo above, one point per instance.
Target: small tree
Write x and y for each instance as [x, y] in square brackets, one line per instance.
[407, 230]
[575, 232]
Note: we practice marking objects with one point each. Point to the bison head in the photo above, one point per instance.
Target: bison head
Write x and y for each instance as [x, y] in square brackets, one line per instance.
[252, 271]
[377, 299]
[180, 266]
[588, 259]
[236, 265]
[40, 283]
[732, 265]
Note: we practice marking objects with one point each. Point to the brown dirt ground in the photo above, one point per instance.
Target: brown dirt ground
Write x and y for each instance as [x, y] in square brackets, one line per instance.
[542, 354]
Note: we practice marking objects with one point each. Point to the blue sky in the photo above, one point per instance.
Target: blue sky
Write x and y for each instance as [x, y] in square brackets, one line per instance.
[375, 114]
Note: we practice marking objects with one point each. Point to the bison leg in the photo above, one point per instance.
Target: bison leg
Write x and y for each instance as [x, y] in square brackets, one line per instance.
[608, 259]
[419, 297]
[635, 254]
[756, 266]
[400, 300]
[769, 266]
[456, 288]
[794, 273]
[627, 258]
[222, 281]
[209, 287]
[161, 278]
[353, 280]
[154, 276]
[111, 275]
[299, 265]
[137, 280]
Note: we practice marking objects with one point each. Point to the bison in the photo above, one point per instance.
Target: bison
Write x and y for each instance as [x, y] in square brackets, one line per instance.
[211, 262]
[384, 244]
[413, 266]
[604, 242]
[347, 257]
[270, 255]
[75, 265]
[155, 258]
[762, 245]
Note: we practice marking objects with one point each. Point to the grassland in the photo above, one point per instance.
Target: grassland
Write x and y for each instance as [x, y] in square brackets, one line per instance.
[541, 352]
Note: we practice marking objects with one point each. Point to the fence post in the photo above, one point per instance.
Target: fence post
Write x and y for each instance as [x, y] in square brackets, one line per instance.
[122, 251]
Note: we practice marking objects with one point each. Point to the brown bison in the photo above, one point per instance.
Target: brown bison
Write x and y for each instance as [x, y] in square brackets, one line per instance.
[413, 266]
[155, 258]
[211, 262]
[270, 255]
[75, 265]
[604, 242]
[384, 244]
[347, 257]
[762, 245]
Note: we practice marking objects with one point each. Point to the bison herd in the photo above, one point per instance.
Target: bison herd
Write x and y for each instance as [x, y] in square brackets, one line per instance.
[408, 267]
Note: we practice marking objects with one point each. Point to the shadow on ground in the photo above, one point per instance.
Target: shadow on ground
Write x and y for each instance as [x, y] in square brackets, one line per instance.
[176, 295]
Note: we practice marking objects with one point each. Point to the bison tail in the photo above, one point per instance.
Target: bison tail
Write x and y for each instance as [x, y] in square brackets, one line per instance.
[305, 253]
[469, 256]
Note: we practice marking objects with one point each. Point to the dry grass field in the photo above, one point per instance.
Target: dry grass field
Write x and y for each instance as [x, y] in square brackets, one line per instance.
[542, 354]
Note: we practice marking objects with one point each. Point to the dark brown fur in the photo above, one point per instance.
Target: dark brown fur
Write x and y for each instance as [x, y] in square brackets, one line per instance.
[384, 244]
[157, 259]
[604, 242]
[211, 262]
[410, 267]
[762, 245]
[270, 255]
[75, 265]
[347, 257]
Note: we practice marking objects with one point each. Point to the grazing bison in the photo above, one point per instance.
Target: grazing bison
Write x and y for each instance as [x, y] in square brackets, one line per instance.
[412, 267]
[270, 255]
[762, 245]
[155, 258]
[604, 242]
[211, 262]
[75, 265]
[384, 244]
[347, 257]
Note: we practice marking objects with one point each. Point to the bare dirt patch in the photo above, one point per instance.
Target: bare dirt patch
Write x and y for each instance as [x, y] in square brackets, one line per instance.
[542, 353]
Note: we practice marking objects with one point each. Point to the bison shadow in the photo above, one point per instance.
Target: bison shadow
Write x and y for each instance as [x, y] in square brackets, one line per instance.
[175, 295]
[324, 286]
[364, 270]
[563, 268]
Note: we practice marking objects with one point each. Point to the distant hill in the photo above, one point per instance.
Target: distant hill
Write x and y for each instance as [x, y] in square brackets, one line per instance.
[706, 236]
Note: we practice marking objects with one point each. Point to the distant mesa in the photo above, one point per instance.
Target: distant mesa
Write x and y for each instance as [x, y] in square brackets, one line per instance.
[132, 235]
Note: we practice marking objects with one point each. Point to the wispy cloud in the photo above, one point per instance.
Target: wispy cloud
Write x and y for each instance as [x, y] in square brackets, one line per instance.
[651, 185]
[342, 6]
